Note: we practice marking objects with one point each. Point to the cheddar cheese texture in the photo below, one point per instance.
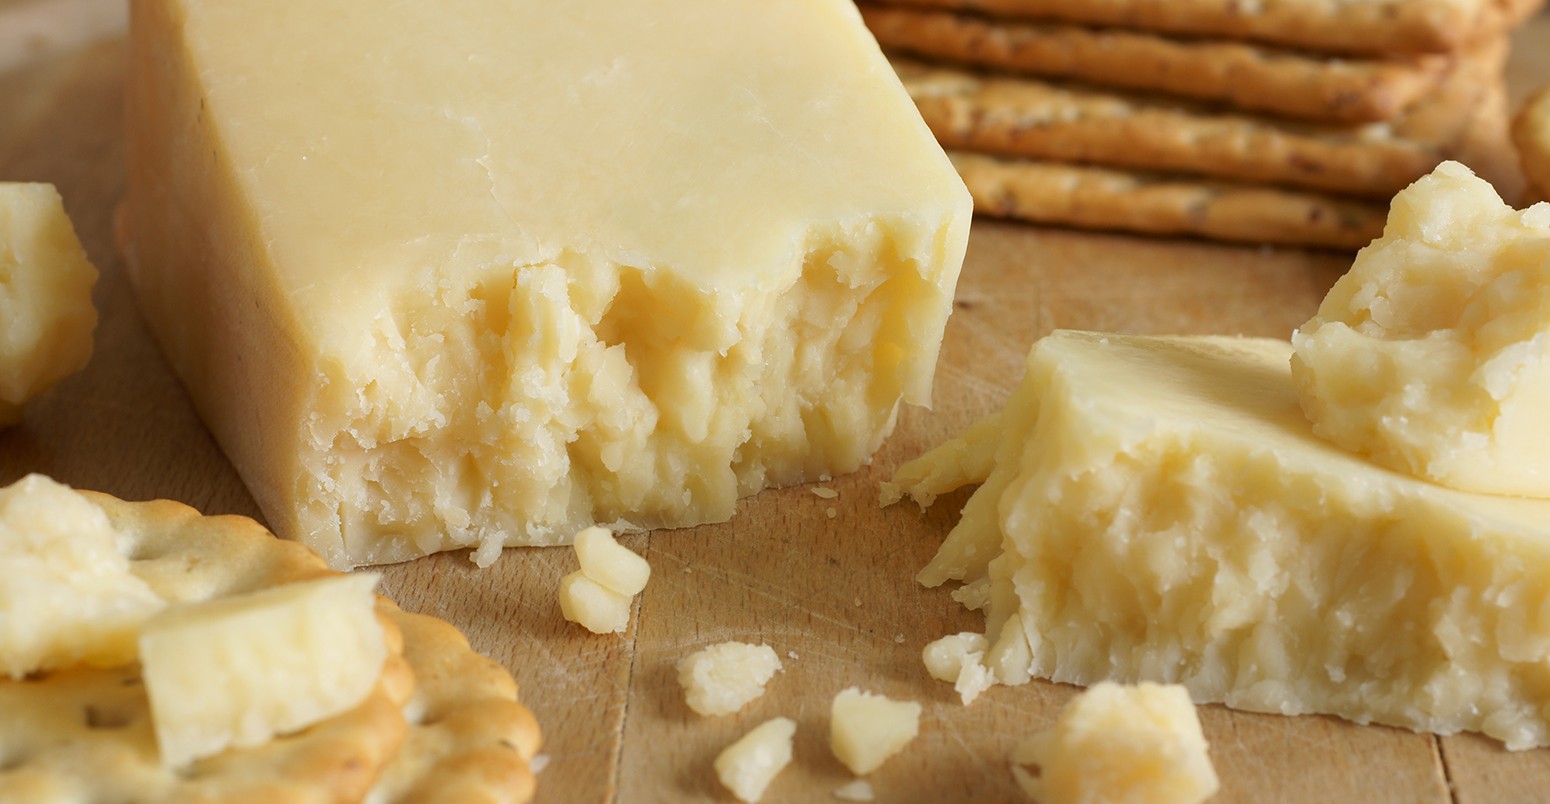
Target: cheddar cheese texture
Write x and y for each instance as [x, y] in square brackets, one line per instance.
[1159, 509]
[480, 273]
[46, 312]
[1432, 354]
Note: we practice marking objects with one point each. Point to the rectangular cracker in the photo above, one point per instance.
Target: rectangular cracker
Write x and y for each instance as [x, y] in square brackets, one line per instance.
[1349, 26]
[1253, 77]
[1161, 204]
[1061, 122]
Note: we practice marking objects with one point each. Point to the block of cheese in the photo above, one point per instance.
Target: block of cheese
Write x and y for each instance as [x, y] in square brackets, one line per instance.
[1120, 745]
[1159, 509]
[67, 595]
[481, 273]
[46, 312]
[1432, 355]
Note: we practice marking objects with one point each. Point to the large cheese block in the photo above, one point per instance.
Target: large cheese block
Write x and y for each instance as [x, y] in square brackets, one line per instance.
[481, 273]
[1159, 509]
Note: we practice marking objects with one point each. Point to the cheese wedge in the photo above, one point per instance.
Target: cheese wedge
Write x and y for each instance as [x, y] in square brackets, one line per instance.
[46, 312]
[1159, 509]
[481, 273]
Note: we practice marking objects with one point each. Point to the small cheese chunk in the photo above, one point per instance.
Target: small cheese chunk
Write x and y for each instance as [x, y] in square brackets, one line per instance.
[593, 606]
[855, 790]
[959, 659]
[611, 564]
[721, 679]
[1168, 514]
[747, 766]
[234, 672]
[866, 729]
[1432, 355]
[46, 312]
[67, 596]
[1122, 745]
[491, 272]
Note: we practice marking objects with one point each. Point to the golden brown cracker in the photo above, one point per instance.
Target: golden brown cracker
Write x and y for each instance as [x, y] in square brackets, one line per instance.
[1244, 75]
[1353, 26]
[1157, 204]
[469, 737]
[1061, 122]
[1531, 137]
[86, 735]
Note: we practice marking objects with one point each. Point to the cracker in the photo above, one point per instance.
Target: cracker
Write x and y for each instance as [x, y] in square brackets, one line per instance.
[1250, 77]
[86, 735]
[469, 738]
[1061, 122]
[1369, 26]
[1531, 136]
[1148, 203]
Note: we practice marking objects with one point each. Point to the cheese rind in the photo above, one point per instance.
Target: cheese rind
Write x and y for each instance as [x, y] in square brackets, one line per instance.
[46, 312]
[1121, 745]
[1432, 354]
[1164, 512]
[483, 274]
[67, 596]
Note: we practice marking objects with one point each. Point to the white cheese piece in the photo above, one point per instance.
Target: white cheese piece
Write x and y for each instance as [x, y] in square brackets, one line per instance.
[747, 766]
[234, 672]
[609, 563]
[1121, 745]
[1432, 355]
[485, 273]
[67, 596]
[959, 659]
[1169, 515]
[593, 606]
[856, 790]
[46, 312]
[866, 729]
[723, 678]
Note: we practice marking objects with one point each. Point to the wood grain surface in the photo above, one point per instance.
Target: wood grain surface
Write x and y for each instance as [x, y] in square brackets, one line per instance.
[832, 594]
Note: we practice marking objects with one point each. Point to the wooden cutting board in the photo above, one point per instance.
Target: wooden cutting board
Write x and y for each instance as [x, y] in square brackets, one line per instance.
[833, 594]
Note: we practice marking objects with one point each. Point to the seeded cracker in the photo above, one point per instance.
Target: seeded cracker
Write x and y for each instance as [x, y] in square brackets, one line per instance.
[1373, 26]
[1247, 76]
[1044, 120]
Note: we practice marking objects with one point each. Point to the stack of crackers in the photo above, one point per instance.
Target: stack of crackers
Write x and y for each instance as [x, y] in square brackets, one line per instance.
[1264, 121]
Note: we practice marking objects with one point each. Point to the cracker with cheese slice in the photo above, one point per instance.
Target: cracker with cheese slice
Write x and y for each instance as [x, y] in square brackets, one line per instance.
[1244, 75]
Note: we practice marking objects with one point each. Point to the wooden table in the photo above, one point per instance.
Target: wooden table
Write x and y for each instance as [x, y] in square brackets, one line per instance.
[834, 596]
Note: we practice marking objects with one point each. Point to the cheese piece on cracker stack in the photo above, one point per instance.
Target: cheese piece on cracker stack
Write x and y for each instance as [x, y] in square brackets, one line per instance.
[441, 277]
[226, 664]
[1271, 123]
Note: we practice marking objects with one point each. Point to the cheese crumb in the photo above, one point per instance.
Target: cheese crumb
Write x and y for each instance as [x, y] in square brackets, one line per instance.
[722, 679]
[858, 790]
[831, 512]
[825, 493]
[747, 766]
[1117, 743]
[866, 729]
[959, 659]
[537, 764]
[598, 596]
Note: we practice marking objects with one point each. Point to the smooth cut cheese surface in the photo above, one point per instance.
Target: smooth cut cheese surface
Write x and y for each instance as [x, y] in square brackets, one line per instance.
[1120, 745]
[46, 312]
[747, 766]
[1432, 355]
[867, 729]
[480, 273]
[1159, 509]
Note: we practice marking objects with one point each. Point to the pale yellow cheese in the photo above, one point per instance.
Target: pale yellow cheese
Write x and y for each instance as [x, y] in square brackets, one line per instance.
[747, 766]
[1120, 745]
[593, 606]
[46, 312]
[609, 563]
[482, 273]
[866, 729]
[1432, 355]
[721, 679]
[67, 596]
[236, 671]
[1159, 509]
